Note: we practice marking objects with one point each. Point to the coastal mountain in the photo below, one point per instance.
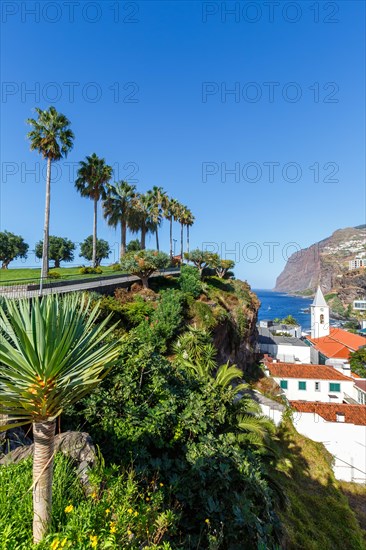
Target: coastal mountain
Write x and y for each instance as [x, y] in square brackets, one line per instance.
[324, 263]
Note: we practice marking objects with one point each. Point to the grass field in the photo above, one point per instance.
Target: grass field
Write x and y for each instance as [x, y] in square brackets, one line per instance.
[32, 275]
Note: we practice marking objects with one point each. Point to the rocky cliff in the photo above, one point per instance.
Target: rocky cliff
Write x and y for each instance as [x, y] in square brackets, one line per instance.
[324, 263]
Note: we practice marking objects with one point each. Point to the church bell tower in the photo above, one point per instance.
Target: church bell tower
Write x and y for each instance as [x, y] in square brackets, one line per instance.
[319, 316]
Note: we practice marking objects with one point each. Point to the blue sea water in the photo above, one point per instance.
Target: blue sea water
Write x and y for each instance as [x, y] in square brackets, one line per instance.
[277, 304]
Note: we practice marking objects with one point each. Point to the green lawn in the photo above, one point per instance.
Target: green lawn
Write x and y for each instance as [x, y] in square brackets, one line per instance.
[28, 275]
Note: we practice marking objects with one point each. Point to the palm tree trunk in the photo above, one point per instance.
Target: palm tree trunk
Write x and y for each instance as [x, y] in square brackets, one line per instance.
[143, 235]
[95, 233]
[187, 239]
[123, 238]
[181, 242]
[46, 229]
[171, 238]
[44, 443]
[157, 239]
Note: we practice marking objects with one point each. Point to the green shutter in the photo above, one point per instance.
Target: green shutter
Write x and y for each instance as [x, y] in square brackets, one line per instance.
[302, 385]
[283, 384]
[334, 387]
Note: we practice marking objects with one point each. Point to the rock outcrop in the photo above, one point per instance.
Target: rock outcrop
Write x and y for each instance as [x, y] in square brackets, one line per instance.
[324, 263]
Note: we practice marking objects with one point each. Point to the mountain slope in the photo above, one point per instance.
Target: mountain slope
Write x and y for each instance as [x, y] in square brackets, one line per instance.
[324, 262]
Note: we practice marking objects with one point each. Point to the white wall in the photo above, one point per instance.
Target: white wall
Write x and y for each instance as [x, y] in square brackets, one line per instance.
[346, 442]
[287, 353]
[310, 394]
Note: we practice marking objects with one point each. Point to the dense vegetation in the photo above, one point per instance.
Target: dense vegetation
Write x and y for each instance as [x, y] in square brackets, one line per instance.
[184, 464]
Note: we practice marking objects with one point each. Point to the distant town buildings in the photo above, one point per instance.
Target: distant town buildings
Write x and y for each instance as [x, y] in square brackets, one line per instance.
[358, 263]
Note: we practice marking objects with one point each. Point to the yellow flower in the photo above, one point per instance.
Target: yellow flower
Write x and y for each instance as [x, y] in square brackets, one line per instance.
[136, 514]
[93, 541]
[113, 529]
[161, 484]
[69, 508]
[94, 495]
[129, 533]
[55, 544]
[63, 543]
[147, 499]
[207, 521]
[107, 511]
[130, 511]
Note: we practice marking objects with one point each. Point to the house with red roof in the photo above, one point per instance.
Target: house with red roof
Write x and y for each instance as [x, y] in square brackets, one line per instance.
[308, 382]
[329, 342]
[341, 428]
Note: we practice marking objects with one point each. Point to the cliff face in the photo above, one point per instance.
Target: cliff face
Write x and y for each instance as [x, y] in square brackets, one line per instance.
[324, 263]
[235, 337]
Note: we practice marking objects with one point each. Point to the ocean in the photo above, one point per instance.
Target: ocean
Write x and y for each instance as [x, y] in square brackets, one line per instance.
[277, 304]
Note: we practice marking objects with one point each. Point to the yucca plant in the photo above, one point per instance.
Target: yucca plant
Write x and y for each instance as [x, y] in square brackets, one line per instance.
[52, 353]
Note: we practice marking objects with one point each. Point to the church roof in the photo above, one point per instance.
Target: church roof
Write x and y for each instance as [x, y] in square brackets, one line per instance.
[338, 344]
[319, 299]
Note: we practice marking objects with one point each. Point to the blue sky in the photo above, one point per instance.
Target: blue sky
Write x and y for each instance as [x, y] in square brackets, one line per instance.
[147, 85]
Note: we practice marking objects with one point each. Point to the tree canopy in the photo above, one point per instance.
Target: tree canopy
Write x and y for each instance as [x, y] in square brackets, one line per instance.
[143, 263]
[11, 247]
[60, 249]
[102, 249]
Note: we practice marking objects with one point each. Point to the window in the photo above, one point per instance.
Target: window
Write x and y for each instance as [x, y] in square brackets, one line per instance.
[321, 319]
[302, 385]
[283, 384]
[334, 387]
[317, 386]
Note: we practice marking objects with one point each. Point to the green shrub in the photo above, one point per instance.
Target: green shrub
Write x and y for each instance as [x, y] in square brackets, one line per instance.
[190, 280]
[53, 275]
[203, 315]
[137, 311]
[87, 270]
[116, 267]
[168, 316]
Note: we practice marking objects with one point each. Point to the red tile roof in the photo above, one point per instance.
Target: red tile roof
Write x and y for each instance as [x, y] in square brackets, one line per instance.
[361, 384]
[339, 343]
[354, 414]
[304, 371]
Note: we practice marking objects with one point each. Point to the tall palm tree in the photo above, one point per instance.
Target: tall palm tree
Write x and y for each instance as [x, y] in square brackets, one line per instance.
[170, 213]
[141, 217]
[158, 199]
[53, 139]
[189, 221]
[117, 208]
[93, 175]
[181, 214]
[51, 354]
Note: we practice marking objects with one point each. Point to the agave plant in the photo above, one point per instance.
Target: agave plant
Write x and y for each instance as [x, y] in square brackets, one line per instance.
[52, 353]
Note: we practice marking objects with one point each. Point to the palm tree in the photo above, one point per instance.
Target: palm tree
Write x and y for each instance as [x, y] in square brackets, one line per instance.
[170, 213]
[158, 199]
[93, 175]
[189, 221]
[53, 139]
[142, 218]
[51, 354]
[117, 208]
[181, 218]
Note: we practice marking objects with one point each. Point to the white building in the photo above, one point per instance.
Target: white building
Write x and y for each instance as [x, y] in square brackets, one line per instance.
[357, 263]
[342, 430]
[359, 305]
[283, 348]
[319, 316]
[307, 382]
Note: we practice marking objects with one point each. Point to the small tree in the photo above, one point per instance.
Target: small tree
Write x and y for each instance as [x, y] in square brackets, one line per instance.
[60, 249]
[11, 247]
[358, 362]
[86, 249]
[143, 263]
[221, 266]
[133, 246]
[201, 258]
